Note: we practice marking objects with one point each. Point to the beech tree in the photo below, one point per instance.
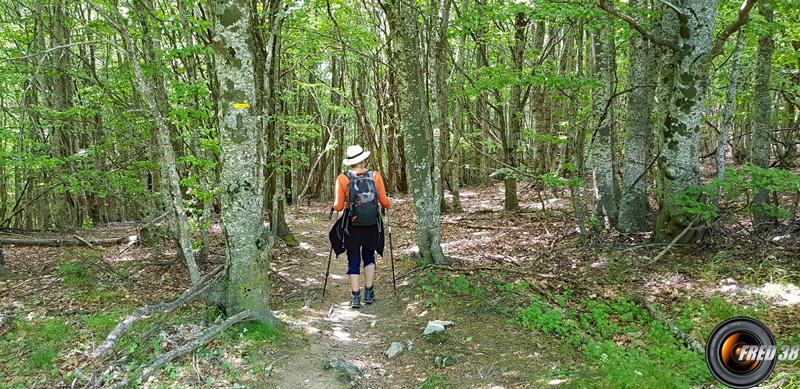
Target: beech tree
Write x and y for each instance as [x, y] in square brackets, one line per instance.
[247, 241]
[416, 127]
[762, 108]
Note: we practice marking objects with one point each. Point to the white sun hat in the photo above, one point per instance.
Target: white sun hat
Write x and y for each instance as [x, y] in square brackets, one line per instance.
[355, 154]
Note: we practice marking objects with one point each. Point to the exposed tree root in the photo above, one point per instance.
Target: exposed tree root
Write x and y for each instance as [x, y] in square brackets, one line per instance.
[684, 337]
[167, 357]
[190, 294]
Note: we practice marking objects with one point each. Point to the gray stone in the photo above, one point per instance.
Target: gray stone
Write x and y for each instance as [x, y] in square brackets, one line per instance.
[444, 360]
[341, 366]
[436, 326]
[436, 337]
[394, 349]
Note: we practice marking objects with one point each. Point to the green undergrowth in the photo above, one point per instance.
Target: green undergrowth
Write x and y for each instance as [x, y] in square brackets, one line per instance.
[619, 340]
[41, 350]
[435, 382]
[607, 342]
[31, 348]
[750, 271]
[75, 273]
[476, 291]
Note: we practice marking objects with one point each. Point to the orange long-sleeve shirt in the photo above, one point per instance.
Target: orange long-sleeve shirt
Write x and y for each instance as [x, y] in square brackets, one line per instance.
[343, 187]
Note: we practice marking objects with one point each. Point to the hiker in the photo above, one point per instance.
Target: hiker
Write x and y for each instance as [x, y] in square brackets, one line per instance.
[360, 191]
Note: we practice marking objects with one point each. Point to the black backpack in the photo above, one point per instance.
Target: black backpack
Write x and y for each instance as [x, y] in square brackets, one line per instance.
[363, 197]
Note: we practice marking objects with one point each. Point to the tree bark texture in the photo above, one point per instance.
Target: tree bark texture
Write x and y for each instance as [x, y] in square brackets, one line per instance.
[247, 241]
[416, 129]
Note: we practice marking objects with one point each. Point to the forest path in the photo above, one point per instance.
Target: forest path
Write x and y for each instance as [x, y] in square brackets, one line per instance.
[490, 352]
[334, 330]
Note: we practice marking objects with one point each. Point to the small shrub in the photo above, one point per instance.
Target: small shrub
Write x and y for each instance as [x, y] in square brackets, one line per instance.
[435, 382]
[258, 332]
[620, 339]
[42, 357]
[74, 273]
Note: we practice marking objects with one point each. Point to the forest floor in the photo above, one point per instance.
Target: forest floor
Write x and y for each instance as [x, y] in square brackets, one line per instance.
[533, 304]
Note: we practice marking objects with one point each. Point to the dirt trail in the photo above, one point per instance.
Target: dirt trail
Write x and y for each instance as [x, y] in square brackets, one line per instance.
[334, 329]
[490, 352]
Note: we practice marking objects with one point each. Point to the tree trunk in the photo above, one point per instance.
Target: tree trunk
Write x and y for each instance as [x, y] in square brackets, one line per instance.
[442, 98]
[602, 152]
[634, 206]
[517, 111]
[679, 165]
[168, 164]
[267, 67]
[762, 112]
[416, 128]
[247, 241]
[728, 112]
[458, 129]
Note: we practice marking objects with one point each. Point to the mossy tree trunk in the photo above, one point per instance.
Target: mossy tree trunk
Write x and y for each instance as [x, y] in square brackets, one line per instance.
[416, 126]
[679, 163]
[247, 241]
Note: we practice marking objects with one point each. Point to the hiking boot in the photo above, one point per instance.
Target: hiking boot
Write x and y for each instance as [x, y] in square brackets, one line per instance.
[356, 301]
[369, 295]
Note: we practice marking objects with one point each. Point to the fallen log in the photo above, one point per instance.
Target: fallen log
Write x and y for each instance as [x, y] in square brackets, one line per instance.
[74, 241]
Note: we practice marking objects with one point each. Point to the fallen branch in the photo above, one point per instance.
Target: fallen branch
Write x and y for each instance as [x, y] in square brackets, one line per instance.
[669, 246]
[190, 294]
[78, 241]
[271, 366]
[210, 335]
[684, 337]
[84, 241]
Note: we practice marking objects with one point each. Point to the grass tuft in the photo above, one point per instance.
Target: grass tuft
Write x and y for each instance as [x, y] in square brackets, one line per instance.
[75, 273]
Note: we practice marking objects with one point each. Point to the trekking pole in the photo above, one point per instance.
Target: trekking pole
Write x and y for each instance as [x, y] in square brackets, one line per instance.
[328, 270]
[391, 252]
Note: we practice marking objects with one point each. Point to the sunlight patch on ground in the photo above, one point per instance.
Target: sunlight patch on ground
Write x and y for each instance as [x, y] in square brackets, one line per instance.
[343, 312]
[414, 308]
[784, 295]
[301, 280]
[128, 258]
[669, 283]
[468, 241]
[600, 263]
[306, 246]
[340, 334]
[411, 250]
